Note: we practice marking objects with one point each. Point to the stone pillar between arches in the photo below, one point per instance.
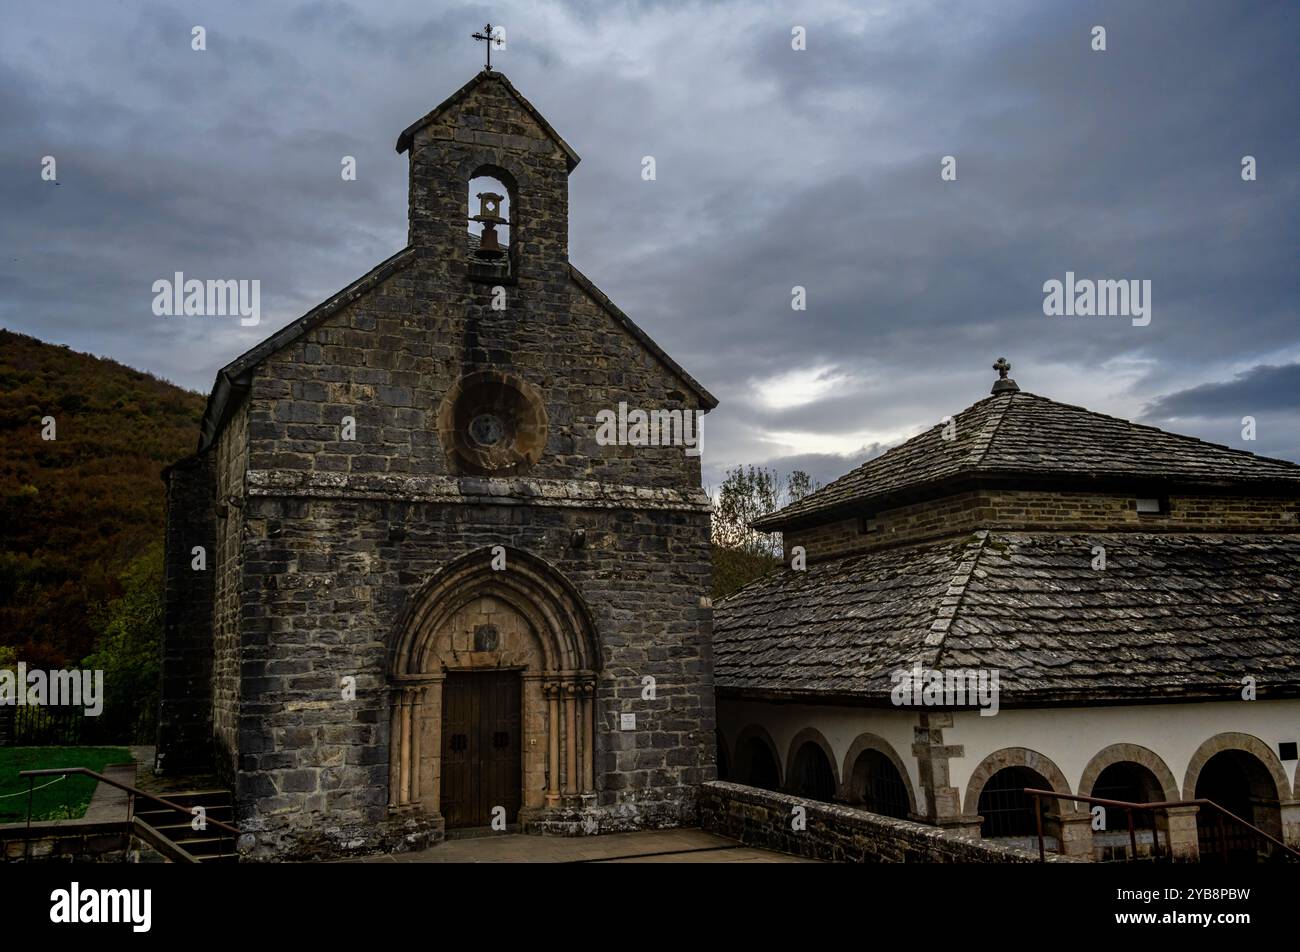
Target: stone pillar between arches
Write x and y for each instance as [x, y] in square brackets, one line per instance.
[1290, 814]
[1184, 842]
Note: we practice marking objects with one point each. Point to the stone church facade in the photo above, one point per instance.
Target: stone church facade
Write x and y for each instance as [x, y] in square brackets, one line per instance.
[408, 589]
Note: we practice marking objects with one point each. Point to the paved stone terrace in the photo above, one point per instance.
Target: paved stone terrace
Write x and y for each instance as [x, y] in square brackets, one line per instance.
[651, 846]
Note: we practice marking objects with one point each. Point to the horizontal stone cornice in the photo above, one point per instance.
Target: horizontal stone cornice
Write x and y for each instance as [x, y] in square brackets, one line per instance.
[472, 490]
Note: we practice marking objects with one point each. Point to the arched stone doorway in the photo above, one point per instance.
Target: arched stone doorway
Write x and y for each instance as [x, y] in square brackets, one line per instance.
[756, 763]
[1006, 809]
[875, 778]
[1241, 773]
[492, 681]
[877, 785]
[996, 794]
[1131, 783]
[1238, 782]
[1135, 774]
[812, 771]
[1126, 781]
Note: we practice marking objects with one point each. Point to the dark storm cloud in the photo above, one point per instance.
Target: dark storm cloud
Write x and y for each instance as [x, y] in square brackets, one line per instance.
[775, 168]
[1266, 396]
[1252, 391]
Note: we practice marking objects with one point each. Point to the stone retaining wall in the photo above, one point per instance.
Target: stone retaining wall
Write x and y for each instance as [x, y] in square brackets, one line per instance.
[75, 841]
[837, 833]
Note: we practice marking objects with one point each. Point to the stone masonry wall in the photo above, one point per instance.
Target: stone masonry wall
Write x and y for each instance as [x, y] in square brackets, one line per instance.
[226, 567]
[1069, 511]
[185, 708]
[388, 360]
[68, 841]
[327, 580]
[837, 833]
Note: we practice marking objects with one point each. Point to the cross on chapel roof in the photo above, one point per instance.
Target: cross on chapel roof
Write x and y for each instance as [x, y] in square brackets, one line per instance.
[1003, 384]
[488, 37]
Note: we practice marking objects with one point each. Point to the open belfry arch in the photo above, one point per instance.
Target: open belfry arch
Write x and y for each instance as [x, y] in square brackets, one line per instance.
[524, 618]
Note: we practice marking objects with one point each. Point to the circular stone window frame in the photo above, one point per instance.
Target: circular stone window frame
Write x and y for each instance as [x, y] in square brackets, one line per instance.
[512, 400]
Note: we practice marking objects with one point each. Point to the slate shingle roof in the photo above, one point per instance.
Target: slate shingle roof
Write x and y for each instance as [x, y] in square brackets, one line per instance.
[1172, 615]
[1022, 434]
[837, 628]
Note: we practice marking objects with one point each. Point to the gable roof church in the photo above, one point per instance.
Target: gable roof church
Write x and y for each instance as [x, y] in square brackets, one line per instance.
[407, 580]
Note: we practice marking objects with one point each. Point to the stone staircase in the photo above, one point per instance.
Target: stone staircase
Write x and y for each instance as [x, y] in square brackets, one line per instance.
[212, 845]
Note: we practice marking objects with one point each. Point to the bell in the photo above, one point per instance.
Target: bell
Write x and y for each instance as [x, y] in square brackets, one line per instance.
[488, 245]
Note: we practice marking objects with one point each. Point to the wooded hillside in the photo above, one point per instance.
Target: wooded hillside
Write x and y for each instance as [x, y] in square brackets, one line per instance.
[75, 511]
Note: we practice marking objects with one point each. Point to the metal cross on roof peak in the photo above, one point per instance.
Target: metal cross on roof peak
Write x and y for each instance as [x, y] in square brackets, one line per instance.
[489, 37]
[1003, 384]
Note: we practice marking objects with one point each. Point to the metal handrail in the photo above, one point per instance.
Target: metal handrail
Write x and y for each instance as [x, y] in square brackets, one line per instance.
[133, 791]
[162, 843]
[1151, 807]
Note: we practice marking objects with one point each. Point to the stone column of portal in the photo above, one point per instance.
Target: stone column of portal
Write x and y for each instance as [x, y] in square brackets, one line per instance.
[428, 726]
[571, 739]
[394, 747]
[417, 728]
[412, 777]
[404, 795]
[552, 691]
[588, 735]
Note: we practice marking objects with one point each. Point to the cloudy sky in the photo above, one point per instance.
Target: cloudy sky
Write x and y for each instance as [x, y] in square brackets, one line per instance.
[775, 168]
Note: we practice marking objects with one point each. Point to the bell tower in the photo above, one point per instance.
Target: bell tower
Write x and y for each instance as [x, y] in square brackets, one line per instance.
[488, 129]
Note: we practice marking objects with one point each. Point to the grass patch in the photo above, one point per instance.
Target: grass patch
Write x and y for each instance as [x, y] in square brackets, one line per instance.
[65, 800]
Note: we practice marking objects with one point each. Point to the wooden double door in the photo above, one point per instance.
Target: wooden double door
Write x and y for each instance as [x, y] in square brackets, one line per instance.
[482, 747]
